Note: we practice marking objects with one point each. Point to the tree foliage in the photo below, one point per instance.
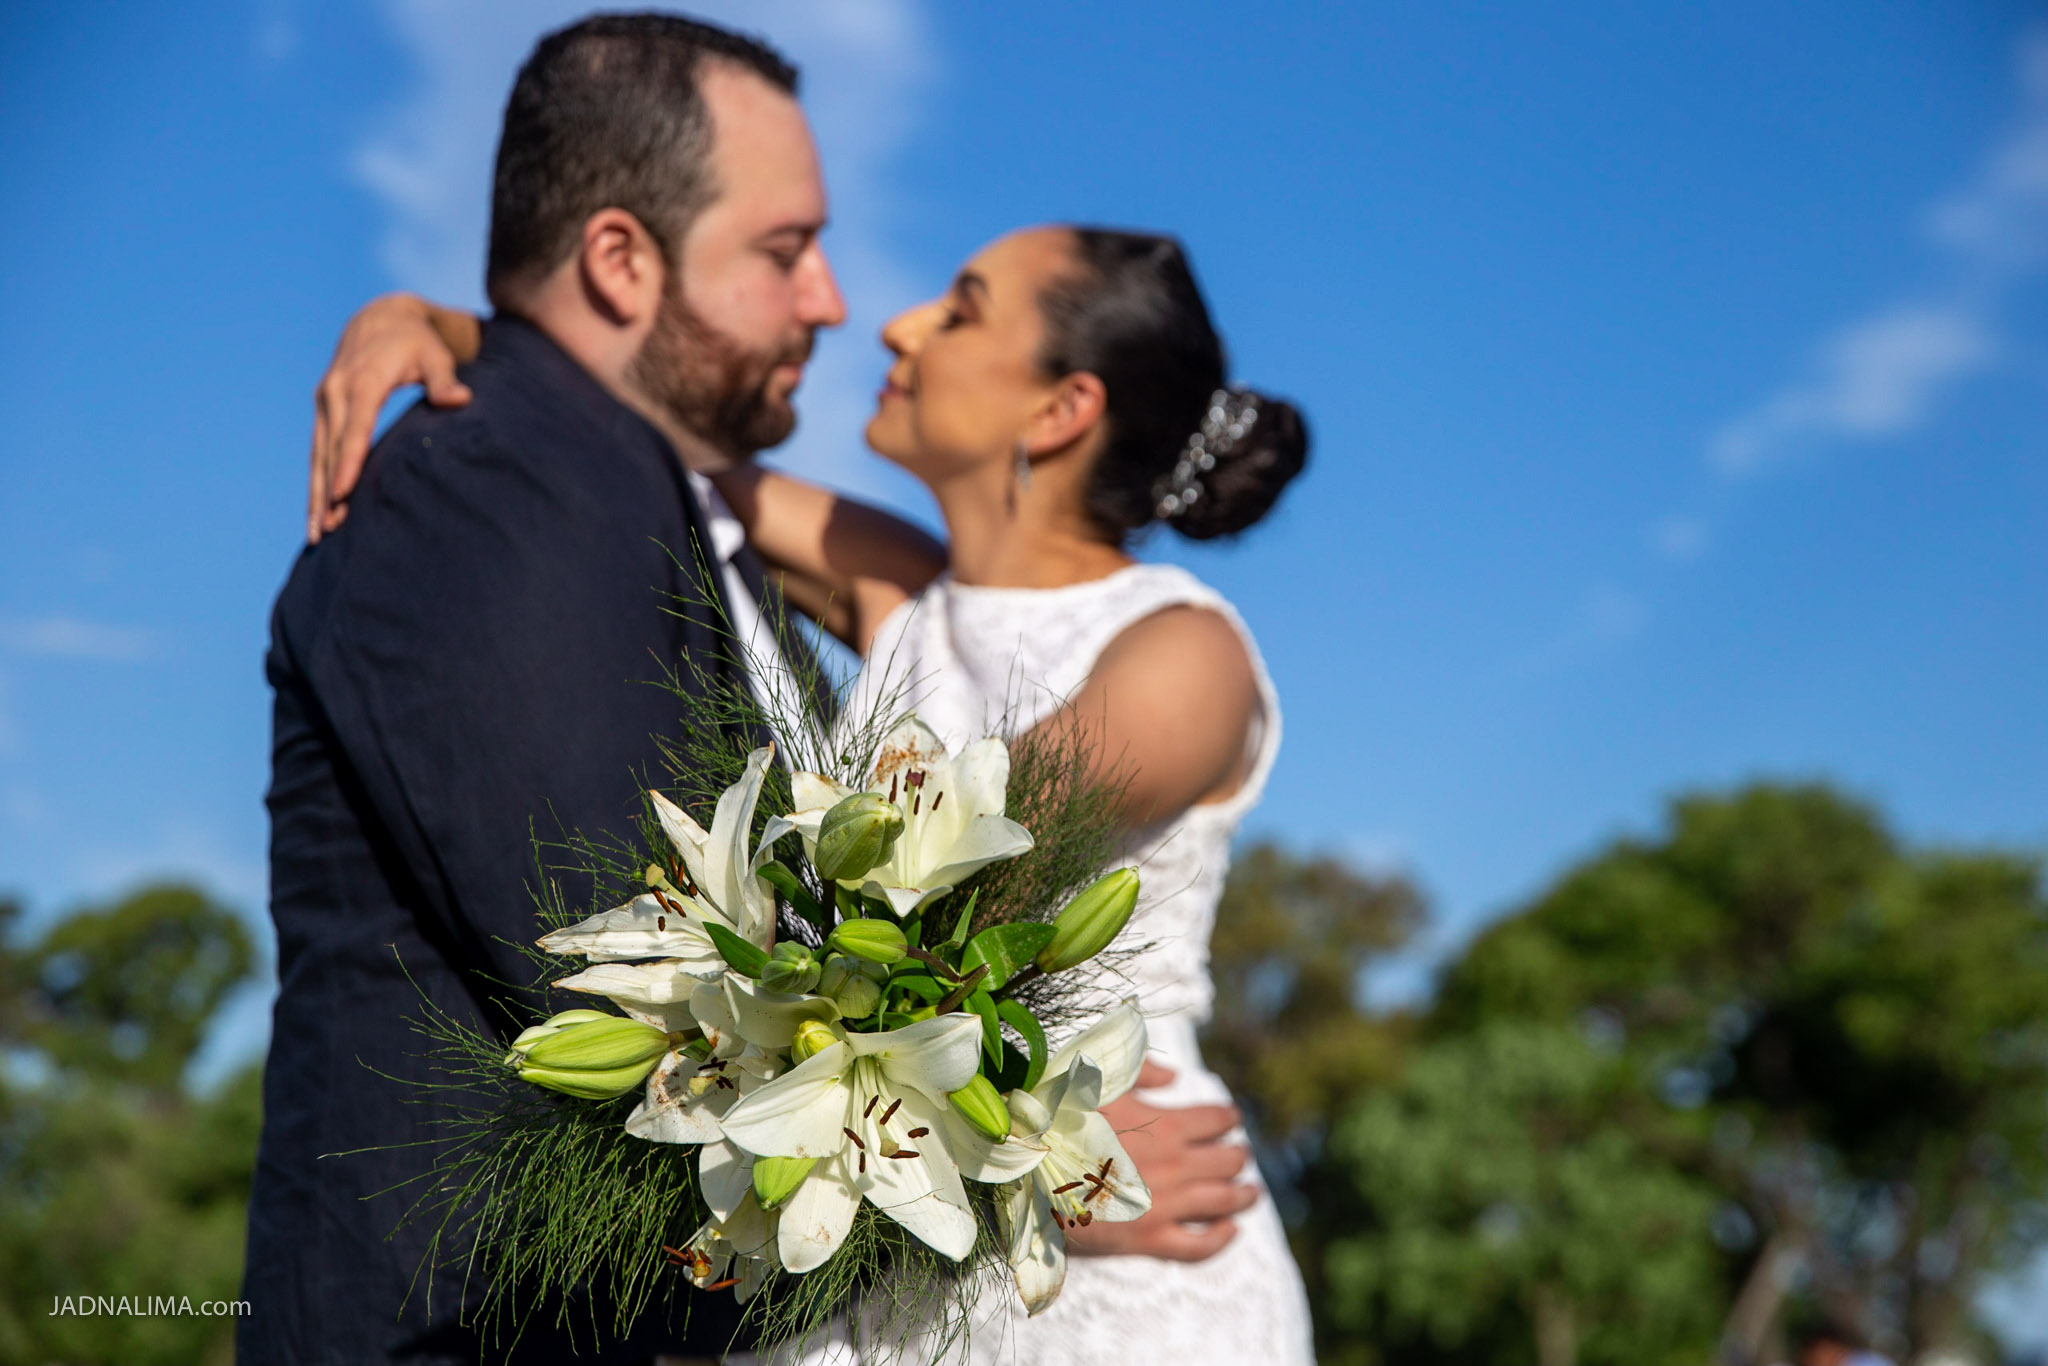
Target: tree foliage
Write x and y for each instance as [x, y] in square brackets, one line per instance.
[115, 1178]
[1768, 1065]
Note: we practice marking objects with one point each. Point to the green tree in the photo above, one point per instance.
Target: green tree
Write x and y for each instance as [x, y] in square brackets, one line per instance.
[1848, 1039]
[1508, 1215]
[115, 1178]
[1289, 1034]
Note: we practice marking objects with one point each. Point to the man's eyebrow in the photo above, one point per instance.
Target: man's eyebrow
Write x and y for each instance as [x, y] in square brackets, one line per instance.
[968, 282]
[806, 228]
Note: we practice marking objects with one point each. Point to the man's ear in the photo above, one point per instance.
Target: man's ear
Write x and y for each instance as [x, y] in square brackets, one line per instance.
[622, 267]
[1075, 407]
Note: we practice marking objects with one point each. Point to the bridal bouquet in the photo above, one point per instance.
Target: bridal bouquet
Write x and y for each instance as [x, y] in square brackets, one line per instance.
[815, 1070]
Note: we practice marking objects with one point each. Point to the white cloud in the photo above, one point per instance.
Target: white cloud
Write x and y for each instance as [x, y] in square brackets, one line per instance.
[866, 65]
[1680, 538]
[1885, 374]
[276, 39]
[60, 637]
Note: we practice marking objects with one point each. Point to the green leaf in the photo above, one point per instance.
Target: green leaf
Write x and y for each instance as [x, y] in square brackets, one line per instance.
[958, 937]
[796, 894]
[745, 959]
[1019, 1018]
[984, 1005]
[922, 985]
[1005, 948]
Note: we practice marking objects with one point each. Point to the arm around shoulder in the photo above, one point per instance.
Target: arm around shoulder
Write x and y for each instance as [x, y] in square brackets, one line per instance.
[846, 563]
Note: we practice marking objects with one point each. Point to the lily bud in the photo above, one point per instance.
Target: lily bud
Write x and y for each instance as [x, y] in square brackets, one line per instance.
[776, 1178]
[792, 967]
[857, 836]
[535, 1033]
[591, 1058]
[878, 941]
[980, 1106]
[812, 1037]
[854, 986]
[1090, 921]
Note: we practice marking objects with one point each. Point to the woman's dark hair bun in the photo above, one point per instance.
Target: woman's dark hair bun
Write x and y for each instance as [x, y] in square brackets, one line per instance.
[1249, 477]
[1129, 312]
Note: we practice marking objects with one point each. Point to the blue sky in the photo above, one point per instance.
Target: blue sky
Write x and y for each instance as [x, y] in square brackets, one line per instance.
[1677, 375]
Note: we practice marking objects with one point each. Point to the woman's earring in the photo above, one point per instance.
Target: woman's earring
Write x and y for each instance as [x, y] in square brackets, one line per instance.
[1023, 464]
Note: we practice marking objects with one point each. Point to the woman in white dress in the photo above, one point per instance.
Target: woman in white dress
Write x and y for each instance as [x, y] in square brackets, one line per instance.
[1065, 393]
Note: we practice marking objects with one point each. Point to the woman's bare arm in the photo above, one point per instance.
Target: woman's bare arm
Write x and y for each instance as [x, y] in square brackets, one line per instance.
[1172, 704]
[1170, 708]
[846, 563]
[396, 340]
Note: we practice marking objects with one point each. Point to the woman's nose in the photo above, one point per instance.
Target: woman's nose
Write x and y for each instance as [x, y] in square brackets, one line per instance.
[904, 334]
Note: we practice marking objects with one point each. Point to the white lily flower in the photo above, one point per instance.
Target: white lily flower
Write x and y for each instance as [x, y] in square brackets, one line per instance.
[653, 993]
[952, 804]
[1085, 1174]
[726, 881]
[739, 1230]
[668, 926]
[870, 1109]
[744, 1020]
[725, 872]
[686, 1095]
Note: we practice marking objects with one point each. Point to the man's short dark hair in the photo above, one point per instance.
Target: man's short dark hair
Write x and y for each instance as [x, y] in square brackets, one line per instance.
[607, 113]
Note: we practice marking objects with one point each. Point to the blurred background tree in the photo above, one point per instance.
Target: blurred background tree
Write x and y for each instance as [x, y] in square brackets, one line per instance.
[1767, 1068]
[116, 1176]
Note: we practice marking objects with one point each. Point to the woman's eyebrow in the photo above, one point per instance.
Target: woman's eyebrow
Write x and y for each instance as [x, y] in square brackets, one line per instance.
[968, 282]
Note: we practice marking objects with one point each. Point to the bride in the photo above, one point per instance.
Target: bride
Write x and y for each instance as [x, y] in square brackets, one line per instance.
[1067, 392]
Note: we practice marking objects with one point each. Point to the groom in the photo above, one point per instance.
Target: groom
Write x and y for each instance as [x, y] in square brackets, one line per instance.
[457, 663]
[453, 665]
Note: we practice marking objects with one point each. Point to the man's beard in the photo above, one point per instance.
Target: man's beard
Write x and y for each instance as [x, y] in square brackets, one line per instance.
[712, 385]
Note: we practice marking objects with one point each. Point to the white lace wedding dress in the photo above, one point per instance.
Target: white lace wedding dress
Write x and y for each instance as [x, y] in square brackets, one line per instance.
[970, 657]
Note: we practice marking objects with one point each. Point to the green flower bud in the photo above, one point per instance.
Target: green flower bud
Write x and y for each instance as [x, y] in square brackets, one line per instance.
[535, 1033]
[878, 941]
[587, 1053]
[608, 1084]
[776, 1178]
[792, 967]
[857, 836]
[854, 986]
[1090, 921]
[812, 1037]
[980, 1106]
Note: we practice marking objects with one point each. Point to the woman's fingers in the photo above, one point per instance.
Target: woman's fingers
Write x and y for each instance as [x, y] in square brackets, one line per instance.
[351, 446]
[330, 403]
[1188, 1243]
[444, 390]
[1217, 1161]
[1201, 1202]
[1153, 1075]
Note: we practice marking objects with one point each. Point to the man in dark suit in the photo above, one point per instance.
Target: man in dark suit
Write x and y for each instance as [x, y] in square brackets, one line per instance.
[458, 662]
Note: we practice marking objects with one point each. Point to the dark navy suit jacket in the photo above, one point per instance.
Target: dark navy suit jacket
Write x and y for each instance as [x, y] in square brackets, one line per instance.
[464, 662]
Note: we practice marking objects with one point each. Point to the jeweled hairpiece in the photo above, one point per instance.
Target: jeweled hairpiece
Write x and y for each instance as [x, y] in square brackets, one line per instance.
[1231, 414]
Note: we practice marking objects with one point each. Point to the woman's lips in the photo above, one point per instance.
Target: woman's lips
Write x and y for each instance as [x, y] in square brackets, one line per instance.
[891, 389]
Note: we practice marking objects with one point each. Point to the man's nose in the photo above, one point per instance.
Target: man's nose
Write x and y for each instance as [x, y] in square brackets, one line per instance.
[820, 304]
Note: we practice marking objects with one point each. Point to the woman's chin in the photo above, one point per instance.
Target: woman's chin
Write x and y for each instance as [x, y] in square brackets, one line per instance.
[886, 442]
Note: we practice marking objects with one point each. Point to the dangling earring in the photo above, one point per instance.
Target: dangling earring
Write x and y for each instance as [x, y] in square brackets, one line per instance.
[1023, 466]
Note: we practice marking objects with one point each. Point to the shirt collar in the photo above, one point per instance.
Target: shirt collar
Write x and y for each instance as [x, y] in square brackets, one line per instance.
[727, 535]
